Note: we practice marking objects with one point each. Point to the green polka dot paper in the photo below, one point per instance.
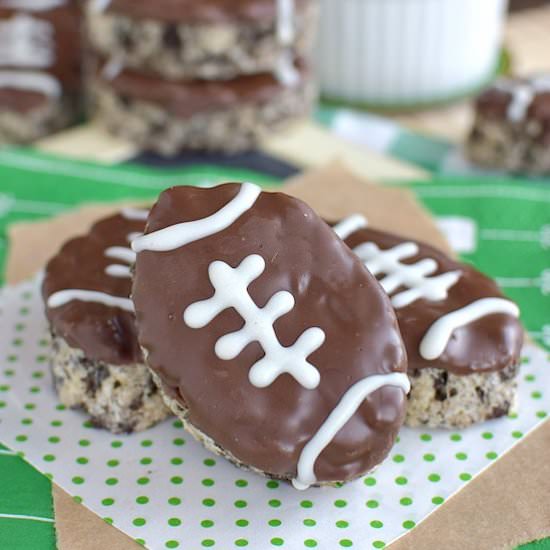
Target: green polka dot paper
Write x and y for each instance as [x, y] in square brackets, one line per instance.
[166, 491]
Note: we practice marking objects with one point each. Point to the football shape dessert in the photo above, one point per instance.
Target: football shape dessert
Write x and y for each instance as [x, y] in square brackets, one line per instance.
[267, 335]
[462, 336]
[96, 361]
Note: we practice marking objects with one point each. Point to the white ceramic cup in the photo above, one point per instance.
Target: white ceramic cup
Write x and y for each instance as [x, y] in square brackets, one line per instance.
[396, 53]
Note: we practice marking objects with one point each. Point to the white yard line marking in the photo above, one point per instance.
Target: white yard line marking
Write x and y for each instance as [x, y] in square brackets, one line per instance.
[7, 452]
[543, 281]
[485, 191]
[103, 174]
[38, 207]
[22, 516]
[542, 235]
[518, 282]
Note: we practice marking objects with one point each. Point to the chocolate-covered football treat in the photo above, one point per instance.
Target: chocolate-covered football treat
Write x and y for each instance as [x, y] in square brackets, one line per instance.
[268, 337]
[39, 67]
[167, 116]
[96, 361]
[463, 338]
[512, 126]
[208, 39]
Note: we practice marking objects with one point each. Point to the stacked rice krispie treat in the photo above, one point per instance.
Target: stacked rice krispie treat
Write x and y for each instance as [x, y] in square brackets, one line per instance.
[40, 58]
[213, 74]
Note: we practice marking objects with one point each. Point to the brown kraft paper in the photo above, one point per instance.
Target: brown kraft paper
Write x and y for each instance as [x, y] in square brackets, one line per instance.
[506, 505]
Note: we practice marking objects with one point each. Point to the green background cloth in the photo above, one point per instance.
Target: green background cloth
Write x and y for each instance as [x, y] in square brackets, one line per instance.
[511, 243]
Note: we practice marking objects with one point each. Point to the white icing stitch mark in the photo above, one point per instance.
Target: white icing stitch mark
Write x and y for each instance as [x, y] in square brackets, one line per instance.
[112, 68]
[522, 95]
[438, 335]
[121, 253]
[58, 299]
[346, 408]
[26, 42]
[120, 271]
[286, 72]
[32, 81]
[413, 276]
[285, 22]
[231, 291]
[180, 234]
[134, 214]
[32, 5]
[133, 235]
[99, 6]
[350, 225]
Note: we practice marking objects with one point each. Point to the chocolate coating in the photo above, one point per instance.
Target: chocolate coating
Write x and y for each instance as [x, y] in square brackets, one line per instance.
[489, 344]
[103, 333]
[184, 98]
[202, 11]
[20, 100]
[268, 427]
[494, 103]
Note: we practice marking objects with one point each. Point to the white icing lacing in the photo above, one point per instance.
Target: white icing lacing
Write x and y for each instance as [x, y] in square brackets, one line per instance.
[438, 335]
[523, 94]
[231, 291]
[26, 42]
[112, 68]
[397, 274]
[285, 22]
[31, 81]
[120, 271]
[134, 235]
[63, 297]
[414, 276]
[122, 253]
[350, 225]
[180, 234]
[134, 214]
[286, 71]
[346, 408]
[32, 5]
[99, 6]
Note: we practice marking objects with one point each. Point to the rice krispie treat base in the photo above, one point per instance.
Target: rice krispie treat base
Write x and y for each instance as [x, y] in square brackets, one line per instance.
[441, 399]
[122, 399]
[25, 126]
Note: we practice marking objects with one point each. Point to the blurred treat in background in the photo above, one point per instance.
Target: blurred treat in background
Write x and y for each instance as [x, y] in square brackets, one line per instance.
[206, 39]
[40, 67]
[512, 126]
[407, 53]
[214, 74]
[516, 5]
